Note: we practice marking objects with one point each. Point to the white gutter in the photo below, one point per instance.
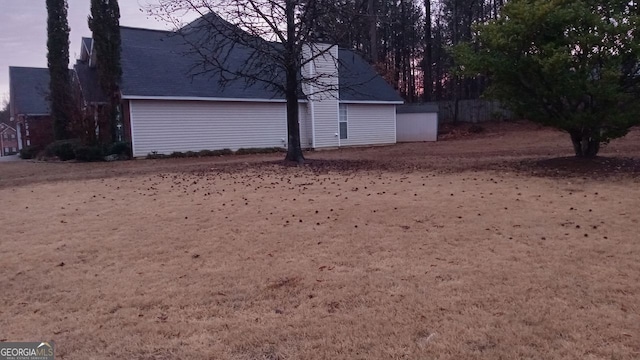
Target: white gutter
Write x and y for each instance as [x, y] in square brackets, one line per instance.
[371, 102]
[195, 98]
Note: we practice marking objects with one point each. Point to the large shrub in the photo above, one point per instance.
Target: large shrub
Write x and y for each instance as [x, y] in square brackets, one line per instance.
[63, 149]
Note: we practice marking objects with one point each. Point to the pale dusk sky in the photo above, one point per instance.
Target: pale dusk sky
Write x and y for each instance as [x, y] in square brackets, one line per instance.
[23, 31]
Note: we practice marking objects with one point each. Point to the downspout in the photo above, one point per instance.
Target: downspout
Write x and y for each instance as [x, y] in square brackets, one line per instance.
[133, 141]
[312, 108]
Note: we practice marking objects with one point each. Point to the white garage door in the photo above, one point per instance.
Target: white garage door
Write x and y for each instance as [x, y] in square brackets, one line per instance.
[168, 126]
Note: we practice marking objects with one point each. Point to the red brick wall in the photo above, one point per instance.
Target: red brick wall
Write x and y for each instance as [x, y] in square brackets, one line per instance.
[38, 131]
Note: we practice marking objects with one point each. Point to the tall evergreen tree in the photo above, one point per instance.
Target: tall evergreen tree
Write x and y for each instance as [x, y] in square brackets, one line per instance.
[58, 62]
[104, 22]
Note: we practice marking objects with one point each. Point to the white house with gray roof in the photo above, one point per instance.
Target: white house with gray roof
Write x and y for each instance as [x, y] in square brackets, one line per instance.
[167, 107]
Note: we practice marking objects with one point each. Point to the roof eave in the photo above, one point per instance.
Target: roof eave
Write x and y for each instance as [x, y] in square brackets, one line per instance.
[373, 102]
[202, 98]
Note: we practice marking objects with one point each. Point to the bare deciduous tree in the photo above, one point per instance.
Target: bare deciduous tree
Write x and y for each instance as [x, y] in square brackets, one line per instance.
[280, 41]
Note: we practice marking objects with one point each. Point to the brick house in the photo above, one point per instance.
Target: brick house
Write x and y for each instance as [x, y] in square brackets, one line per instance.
[29, 103]
[8, 139]
[29, 107]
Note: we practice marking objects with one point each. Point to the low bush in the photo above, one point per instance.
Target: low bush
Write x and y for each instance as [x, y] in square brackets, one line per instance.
[270, 150]
[89, 153]
[222, 152]
[190, 154]
[63, 149]
[205, 153]
[177, 154]
[122, 149]
[29, 152]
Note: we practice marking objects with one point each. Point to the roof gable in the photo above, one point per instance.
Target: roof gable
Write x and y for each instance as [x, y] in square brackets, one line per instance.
[360, 82]
[29, 90]
[86, 49]
[159, 63]
[4, 127]
[87, 78]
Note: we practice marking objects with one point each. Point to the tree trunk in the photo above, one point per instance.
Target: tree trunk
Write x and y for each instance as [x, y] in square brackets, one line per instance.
[584, 144]
[294, 150]
[373, 32]
[428, 55]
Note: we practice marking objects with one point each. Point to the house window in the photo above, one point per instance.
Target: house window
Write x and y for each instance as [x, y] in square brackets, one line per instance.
[28, 142]
[343, 122]
[6, 150]
[13, 136]
[13, 149]
[26, 132]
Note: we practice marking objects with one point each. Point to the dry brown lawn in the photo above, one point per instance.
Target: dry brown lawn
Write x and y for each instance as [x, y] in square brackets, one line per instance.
[481, 247]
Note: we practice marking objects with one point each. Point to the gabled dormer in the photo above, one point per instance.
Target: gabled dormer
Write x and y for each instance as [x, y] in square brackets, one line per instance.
[87, 53]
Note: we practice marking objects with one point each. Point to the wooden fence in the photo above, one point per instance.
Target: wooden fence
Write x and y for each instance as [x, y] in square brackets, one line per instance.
[472, 111]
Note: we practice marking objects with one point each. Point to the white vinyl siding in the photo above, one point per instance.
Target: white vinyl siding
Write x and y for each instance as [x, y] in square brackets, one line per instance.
[370, 124]
[326, 123]
[414, 127]
[305, 126]
[168, 126]
[323, 93]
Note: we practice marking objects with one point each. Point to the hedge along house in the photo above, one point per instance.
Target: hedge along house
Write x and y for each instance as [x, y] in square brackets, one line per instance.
[29, 106]
[167, 108]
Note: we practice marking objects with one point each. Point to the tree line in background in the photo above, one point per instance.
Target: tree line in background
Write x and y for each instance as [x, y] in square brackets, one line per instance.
[408, 41]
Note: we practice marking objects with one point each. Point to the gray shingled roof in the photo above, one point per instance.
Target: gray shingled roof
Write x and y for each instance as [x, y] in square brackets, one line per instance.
[159, 63]
[29, 90]
[88, 79]
[360, 82]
